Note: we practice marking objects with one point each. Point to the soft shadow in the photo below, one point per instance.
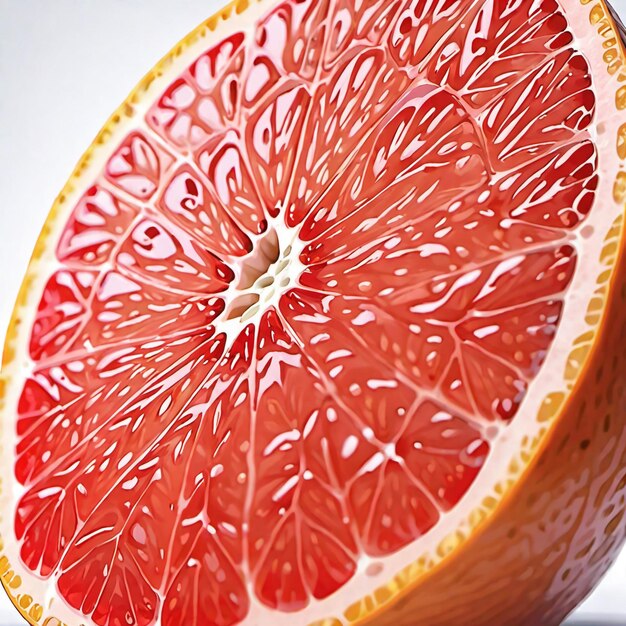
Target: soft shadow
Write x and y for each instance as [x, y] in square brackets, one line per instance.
[591, 621]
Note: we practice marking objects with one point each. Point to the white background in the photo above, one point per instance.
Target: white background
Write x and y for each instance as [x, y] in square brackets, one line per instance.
[65, 65]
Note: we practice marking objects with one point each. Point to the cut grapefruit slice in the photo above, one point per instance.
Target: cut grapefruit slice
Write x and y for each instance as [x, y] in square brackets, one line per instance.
[328, 325]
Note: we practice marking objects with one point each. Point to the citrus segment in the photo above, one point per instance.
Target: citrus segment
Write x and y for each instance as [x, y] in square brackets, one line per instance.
[189, 203]
[495, 48]
[297, 310]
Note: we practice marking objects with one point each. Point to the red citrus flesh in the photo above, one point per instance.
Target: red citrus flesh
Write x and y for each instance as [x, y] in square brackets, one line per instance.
[434, 160]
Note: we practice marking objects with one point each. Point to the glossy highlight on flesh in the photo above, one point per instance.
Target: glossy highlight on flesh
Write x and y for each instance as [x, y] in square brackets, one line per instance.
[299, 305]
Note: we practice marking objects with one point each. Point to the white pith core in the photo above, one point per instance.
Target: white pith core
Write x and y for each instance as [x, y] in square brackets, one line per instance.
[262, 277]
[273, 268]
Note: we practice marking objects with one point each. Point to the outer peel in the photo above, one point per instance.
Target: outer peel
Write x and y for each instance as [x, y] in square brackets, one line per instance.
[580, 424]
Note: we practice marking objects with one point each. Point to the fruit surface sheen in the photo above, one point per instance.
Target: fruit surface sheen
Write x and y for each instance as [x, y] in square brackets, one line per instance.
[291, 323]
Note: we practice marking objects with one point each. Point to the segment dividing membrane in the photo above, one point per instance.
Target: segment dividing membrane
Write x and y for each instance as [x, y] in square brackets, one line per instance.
[304, 297]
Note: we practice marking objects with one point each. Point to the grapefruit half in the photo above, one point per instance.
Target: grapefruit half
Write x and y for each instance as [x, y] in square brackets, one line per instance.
[328, 326]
